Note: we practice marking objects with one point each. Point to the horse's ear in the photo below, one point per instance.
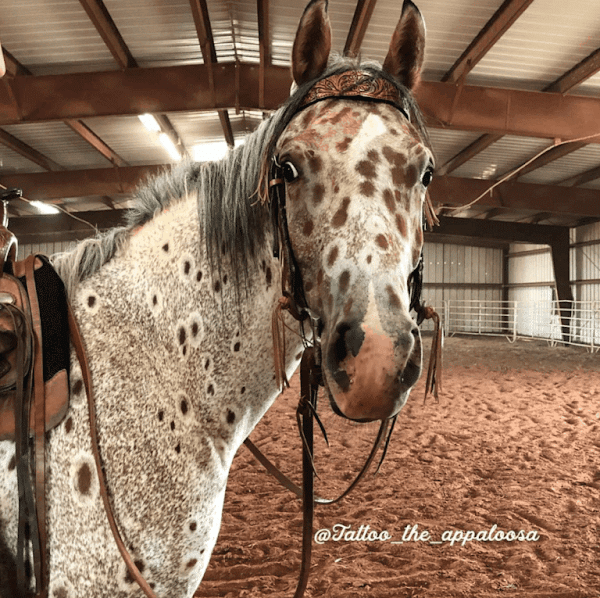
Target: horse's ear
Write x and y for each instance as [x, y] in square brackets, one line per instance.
[407, 48]
[312, 44]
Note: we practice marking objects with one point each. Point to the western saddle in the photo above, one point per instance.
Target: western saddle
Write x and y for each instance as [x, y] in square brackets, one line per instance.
[33, 398]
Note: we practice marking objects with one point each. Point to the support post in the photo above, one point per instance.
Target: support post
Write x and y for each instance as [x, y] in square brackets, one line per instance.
[561, 263]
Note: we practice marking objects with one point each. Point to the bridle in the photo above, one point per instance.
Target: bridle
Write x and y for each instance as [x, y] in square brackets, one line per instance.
[353, 85]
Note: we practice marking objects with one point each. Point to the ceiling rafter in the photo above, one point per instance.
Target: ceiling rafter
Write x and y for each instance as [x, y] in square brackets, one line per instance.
[18, 146]
[493, 30]
[209, 55]
[358, 28]
[98, 144]
[183, 88]
[582, 71]
[264, 44]
[445, 191]
[582, 178]
[108, 31]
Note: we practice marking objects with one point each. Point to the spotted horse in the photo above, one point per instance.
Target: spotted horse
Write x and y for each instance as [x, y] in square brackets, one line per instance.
[175, 312]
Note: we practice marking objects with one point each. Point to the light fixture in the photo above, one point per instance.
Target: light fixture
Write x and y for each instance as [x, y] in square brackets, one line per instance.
[44, 208]
[210, 152]
[150, 122]
[171, 148]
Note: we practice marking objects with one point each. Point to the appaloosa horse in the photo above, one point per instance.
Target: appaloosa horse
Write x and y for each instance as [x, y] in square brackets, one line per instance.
[175, 312]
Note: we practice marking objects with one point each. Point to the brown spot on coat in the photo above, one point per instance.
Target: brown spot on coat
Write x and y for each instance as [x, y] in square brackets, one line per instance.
[342, 146]
[191, 563]
[340, 217]
[315, 164]
[308, 227]
[77, 387]
[318, 193]
[388, 197]
[394, 299]
[393, 157]
[348, 306]
[367, 169]
[84, 479]
[401, 225]
[344, 281]
[91, 301]
[333, 254]
[12, 463]
[367, 189]
[382, 241]
[230, 416]
[68, 425]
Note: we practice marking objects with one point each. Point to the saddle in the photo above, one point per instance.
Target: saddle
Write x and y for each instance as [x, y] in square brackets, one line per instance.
[34, 388]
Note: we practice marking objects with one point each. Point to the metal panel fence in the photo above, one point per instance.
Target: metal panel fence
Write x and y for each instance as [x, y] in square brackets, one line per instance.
[526, 319]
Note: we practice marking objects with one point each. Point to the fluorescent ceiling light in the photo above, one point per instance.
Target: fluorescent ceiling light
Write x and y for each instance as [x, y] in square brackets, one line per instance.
[169, 146]
[44, 208]
[210, 152]
[149, 122]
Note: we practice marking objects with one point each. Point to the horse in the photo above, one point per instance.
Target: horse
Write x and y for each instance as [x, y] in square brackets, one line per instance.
[175, 311]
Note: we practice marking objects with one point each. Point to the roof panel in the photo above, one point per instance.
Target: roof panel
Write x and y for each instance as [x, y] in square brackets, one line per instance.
[502, 156]
[58, 142]
[570, 165]
[549, 38]
[128, 137]
[11, 162]
[53, 37]
[447, 143]
[157, 33]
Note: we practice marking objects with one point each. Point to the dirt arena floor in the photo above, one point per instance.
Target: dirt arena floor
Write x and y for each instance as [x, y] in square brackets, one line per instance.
[492, 491]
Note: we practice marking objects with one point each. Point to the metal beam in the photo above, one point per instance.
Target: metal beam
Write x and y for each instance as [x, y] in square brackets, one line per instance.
[514, 232]
[264, 44]
[358, 28]
[467, 153]
[177, 88]
[582, 178]
[13, 67]
[560, 151]
[108, 32]
[588, 67]
[88, 135]
[494, 29]
[577, 202]
[16, 145]
[449, 191]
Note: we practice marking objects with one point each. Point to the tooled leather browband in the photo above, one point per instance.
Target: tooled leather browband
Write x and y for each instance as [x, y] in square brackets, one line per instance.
[355, 84]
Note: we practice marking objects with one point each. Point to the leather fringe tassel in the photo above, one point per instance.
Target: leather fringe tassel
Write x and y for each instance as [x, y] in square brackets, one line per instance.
[278, 333]
[434, 371]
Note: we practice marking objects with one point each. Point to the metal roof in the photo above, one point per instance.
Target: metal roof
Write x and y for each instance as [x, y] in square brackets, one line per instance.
[489, 52]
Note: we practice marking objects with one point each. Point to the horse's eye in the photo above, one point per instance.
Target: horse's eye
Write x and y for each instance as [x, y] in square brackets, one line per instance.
[290, 173]
[427, 177]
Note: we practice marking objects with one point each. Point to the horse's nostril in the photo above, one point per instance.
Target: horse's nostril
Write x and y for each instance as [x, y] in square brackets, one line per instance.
[349, 340]
[411, 374]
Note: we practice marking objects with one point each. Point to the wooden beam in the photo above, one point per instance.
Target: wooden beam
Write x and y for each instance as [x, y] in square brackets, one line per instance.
[108, 32]
[88, 135]
[16, 145]
[358, 28]
[184, 88]
[495, 28]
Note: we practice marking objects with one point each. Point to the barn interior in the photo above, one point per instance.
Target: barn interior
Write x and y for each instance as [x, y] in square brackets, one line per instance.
[100, 94]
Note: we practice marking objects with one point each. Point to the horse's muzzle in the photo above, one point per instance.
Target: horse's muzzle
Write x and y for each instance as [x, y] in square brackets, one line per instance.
[368, 372]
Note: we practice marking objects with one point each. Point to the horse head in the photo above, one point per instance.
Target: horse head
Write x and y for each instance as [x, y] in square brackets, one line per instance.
[355, 170]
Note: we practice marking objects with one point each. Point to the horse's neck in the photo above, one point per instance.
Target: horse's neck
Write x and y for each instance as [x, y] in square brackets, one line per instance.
[158, 306]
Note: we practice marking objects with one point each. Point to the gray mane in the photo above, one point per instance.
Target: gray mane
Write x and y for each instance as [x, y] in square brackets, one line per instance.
[232, 193]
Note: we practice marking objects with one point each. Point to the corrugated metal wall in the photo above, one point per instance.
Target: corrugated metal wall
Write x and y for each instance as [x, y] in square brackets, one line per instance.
[44, 248]
[458, 273]
[585, 262]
